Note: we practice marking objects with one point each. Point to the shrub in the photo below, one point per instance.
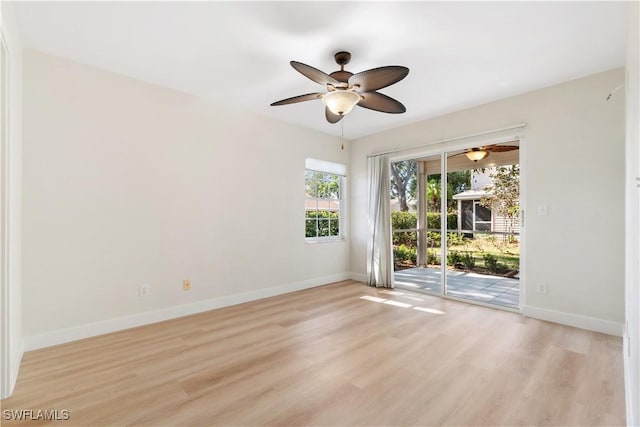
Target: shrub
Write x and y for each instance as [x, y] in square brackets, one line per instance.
[399, 254]
[404, 221]
[453, 258]
[468, 260]
[432, 258]
[409, 220]
[454, 239]
[433, 220]
[409, 238]
[433, 239]
[490, 262]
[405, 253]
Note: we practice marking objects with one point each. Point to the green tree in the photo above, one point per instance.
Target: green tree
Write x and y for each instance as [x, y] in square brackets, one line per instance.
[457, 182]
[505, 197]
[403, 181]
[434, 195]
[322, 185]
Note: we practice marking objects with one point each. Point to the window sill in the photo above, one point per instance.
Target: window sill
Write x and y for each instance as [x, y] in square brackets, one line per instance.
[325, 240]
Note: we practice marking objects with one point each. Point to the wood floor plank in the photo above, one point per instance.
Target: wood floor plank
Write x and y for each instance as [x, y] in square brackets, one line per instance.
[341, 354]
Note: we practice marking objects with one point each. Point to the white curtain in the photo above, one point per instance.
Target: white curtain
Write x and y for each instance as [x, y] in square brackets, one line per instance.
[379, 253]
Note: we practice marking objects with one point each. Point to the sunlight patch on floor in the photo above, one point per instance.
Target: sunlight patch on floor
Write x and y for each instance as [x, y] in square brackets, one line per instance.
[400, 304]
[397, 293]
[429, 310]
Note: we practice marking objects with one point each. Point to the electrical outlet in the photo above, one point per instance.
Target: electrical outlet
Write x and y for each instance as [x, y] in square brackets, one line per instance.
[143, 290]
[186, 285]
[541, 288]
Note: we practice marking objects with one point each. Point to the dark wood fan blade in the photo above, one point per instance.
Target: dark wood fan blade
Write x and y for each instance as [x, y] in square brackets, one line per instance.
[379, 102]
[377, 78]
[332, 118]
[313, 73]
[501, 148]
[299, 98]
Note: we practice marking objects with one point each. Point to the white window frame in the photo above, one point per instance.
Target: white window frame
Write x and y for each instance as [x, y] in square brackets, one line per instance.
[330, 168]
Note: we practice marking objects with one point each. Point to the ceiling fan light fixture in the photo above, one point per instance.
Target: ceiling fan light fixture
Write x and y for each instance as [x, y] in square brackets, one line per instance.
[341, 102]
[345, 90]
[476, 155]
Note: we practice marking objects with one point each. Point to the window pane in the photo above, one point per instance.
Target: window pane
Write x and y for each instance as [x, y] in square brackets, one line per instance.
[310, 228]
[334, 227]
[323, 228]
[323, 204]
[482, 213]
[329, 187]
[312, 180]
[483, 226]
[467, 215]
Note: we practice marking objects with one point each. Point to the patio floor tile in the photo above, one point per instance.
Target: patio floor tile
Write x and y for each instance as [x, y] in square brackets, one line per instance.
[502, 291]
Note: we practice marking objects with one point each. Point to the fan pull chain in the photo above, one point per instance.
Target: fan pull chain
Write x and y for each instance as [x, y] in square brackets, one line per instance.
[342, 134]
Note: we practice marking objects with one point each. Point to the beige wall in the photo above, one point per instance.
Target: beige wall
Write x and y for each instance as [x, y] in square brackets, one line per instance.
[127, 183]
[573, 155]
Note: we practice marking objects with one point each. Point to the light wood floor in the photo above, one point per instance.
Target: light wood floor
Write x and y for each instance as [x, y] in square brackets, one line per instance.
[326, 356]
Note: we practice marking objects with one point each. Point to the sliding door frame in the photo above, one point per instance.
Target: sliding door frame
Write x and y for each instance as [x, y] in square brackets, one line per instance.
[442, 150]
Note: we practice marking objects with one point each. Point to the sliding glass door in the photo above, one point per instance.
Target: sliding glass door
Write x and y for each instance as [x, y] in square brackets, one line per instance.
[457, 235]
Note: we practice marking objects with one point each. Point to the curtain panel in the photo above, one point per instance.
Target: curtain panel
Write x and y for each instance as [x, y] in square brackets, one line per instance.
[379, 252]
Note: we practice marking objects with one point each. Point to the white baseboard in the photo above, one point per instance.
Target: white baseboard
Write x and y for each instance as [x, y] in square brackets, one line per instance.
[576, 320]
[62, 336]
[359, 277]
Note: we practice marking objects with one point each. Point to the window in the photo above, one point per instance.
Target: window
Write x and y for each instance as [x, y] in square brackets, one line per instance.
[482, 217]
[475, 217]
[323, 202]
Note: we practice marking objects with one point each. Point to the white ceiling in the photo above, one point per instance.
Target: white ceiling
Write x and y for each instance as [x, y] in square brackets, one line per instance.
[460, 54]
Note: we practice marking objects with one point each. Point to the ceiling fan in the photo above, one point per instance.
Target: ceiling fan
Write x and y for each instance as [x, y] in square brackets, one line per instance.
[479, 153]
[344, 90]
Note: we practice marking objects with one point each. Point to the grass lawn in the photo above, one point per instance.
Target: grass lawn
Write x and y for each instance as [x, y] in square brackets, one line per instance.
[507, 254]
